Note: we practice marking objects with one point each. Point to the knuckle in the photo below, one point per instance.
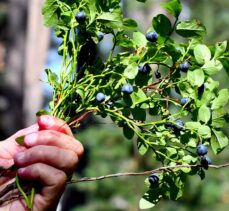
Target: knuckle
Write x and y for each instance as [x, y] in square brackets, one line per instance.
[38, 151]
[35, 169]
[61, 177]
[73, 160]
[48, 135]
[80, 150]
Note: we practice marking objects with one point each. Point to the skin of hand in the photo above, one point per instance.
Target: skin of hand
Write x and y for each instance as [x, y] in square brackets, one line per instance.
[48, 155]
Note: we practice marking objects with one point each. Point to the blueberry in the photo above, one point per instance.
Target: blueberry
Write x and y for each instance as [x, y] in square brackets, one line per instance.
[151, 36]
[169, 124]
[100, 97]
[184, 66]
[178, 125]
[145, 69]
[100, 36]
[201, 150]
[153, 179]
[127, 89]
[157, 74]
[205, 162]
[80, 17]
[184, 101]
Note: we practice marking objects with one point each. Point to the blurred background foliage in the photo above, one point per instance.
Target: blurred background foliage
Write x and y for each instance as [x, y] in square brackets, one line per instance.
[107, 151]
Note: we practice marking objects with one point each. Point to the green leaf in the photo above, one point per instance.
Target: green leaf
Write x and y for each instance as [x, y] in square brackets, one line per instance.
[225, 63]
[162, 25]
[142, 147]
[42, 112]
[186, 90]
[202, 53]
[139, 114]
[204, 114]
[221, 100]
[138, 96]
[212, 67]
[221, 47]
[189, 160]
[150, 199]
[196, 77]
[129, 23]
[20, 140]
[174, 7]
[49, 11]
[174, 186]
[191, 28]
[123, 40]
[139, 39]
[131, 71]
[171, 151]
[204, 131]
[128, 132]
[219, 118]
[218, 141]
[111, 19]
[201, 173]
[192, 125]
[52, 78]
[212, 85]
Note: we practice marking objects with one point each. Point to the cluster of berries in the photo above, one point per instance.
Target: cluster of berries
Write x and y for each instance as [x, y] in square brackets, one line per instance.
[177, 127]
[201, 151]
[127, 89]
[144, 69]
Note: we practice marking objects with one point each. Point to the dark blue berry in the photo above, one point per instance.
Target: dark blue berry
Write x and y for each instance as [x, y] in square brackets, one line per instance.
[184, 66]
[127, 89]
[151, 36]
[80, 17]
[179, 124]
[145, 69]
[169, 124]
[100, 36]
[157, 74]
[153, 179]
[205, 162]
[100, 97]
[201, 150]
[184, 101]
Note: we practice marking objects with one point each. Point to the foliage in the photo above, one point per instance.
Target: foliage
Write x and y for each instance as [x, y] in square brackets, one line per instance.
[145, 113]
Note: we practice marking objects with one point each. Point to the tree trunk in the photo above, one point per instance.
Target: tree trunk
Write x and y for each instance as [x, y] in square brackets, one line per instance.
[27, 44]
[13, 78]
[37, 44]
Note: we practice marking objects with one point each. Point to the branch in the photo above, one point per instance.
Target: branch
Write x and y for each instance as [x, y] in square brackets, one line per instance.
[12, 186]
[125, 174]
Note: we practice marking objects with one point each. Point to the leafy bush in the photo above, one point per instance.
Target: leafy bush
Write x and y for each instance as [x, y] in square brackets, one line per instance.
[142, 88]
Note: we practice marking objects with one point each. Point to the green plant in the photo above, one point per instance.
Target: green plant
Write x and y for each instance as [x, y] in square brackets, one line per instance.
[146, 108]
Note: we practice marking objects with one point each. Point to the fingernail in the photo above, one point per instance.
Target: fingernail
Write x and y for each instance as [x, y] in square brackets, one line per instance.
[46, 120]
[20, 157]
[30, 139]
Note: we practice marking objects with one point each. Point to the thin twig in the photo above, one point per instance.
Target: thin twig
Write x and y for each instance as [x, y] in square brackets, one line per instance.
[12, 186]
[166, 168]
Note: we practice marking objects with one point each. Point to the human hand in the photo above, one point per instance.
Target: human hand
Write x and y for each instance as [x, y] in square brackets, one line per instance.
[48, 155]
